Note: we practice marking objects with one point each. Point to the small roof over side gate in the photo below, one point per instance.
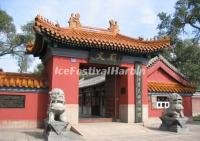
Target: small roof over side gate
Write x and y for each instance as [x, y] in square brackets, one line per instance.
[180, 84]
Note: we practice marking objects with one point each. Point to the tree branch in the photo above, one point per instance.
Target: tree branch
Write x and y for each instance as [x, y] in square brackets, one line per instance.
[197, 27]
[189, 21]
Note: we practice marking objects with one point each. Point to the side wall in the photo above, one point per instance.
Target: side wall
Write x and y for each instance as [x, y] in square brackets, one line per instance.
[187, 104]
[196, 105]
[31, 116]
[159, 72]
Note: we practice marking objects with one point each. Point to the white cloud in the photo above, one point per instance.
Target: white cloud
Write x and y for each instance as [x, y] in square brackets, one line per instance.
[148, 18]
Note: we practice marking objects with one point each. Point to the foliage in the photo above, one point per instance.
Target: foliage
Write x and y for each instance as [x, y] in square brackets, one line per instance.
[187, 13]
[28, 36]
[13, 43]
[9, 40]
[39, 69]
[196, 118]
[188, 59]
[28, 32]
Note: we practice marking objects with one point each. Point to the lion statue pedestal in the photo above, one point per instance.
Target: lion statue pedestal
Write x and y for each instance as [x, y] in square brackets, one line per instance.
[55, 124]
[173, 118]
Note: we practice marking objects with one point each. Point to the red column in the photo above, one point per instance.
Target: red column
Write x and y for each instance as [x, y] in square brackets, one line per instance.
[63, 74]
[144, 94]
[144, 85]
[127, 99]
[131, 84]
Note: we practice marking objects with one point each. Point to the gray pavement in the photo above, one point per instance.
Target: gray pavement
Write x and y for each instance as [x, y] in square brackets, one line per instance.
[129, 132]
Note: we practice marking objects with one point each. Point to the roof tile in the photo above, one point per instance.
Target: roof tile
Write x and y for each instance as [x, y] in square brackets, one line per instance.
[81, 35]
[22, 80]
[169, 87]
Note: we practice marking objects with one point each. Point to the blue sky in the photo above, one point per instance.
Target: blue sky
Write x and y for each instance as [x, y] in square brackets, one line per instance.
[135, 17]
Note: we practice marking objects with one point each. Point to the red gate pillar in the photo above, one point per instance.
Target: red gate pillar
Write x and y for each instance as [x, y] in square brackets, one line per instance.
[63, 74]
[127, 95]
[144, 94]
[131, 93]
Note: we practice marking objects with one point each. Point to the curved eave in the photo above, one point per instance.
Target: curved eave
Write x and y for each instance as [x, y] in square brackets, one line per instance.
[87, 39]
[167, 87]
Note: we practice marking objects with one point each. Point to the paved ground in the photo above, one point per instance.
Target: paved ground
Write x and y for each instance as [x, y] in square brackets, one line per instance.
[109, 132]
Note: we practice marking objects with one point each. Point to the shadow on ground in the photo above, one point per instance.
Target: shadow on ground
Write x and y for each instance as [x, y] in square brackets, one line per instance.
[194, 122]
[68, 135]
[37, 135]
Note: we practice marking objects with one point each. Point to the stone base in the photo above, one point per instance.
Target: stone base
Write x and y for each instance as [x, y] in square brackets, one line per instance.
[55, 130]
[176, 129]
[72, 113]
[66, 136]
[127, 113]
[174, 125]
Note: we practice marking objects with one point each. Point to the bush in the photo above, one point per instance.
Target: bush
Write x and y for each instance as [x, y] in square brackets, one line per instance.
[196, 118]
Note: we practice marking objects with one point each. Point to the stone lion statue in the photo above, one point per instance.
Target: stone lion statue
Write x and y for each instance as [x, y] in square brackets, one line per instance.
[57, 106]
[176, 108]
[173, 118]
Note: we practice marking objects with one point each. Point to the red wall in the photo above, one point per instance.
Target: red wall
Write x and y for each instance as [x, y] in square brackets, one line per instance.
[153, 112]
[122, 82]
[65, 81]
[35, 107]
[161, 73]
[196, 105]
[160, 76]
[187, 104]
[127, 81]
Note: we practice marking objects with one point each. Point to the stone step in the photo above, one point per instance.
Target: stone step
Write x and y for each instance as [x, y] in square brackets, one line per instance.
[94, 120]
[108, 129]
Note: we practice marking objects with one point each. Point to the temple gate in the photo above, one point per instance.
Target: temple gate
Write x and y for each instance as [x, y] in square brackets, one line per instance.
[64, 50]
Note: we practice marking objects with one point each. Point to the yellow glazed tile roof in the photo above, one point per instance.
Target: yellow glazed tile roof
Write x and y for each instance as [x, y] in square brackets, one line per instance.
[89, 37]
[169, 87]
[22, 80]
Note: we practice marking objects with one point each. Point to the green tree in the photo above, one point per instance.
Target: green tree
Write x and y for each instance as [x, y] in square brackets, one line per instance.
[39, 69]
[9, 40]
[28, 36]
[187, 14]
[188, 60]
[13, 43]
[28, 32]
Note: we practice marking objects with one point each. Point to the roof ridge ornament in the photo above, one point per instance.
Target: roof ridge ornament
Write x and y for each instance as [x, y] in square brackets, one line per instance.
[113, 27]
[29, 46]
[74, 21]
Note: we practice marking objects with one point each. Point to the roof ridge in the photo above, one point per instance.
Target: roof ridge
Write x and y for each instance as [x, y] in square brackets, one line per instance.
[108, 39]
[84, 28]
[103, 30]
[14, 74]
[9, 80]
[165, 61]
[170, 65]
